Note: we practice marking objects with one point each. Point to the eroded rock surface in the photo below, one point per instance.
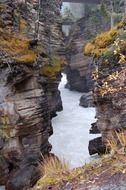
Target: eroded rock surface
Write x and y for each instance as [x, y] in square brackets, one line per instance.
[29, 77]
[80, 67]
[86, 100]
[110, 86]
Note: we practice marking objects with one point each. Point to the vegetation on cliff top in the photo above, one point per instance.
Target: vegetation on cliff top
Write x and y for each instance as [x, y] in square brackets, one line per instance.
[108, 49]
[18, 47]
[103, 41]
[52, 67]
[53, 171]
[16, 43]
[57, 172]
[99, 46]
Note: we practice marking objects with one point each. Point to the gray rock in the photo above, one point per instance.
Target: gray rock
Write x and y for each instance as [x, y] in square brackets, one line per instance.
[80, 68]
[87, 100]
[27, 96]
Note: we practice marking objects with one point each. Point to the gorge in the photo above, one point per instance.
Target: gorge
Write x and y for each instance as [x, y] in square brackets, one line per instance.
[34, 137]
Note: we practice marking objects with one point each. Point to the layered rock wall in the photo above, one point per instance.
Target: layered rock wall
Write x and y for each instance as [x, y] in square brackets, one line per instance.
[110, 87]
[80, 67]
[29, 93]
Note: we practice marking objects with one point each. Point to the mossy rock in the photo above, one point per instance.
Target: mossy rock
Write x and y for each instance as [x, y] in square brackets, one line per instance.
[18, 47]
[52, 67]
[101, 43]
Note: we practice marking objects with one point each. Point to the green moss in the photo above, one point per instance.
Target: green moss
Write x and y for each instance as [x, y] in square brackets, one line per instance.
[2, 161]
[51, 70]
[46, 182]
[108, 54]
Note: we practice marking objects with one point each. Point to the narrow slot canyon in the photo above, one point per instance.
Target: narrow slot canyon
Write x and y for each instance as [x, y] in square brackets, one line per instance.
[62, 94]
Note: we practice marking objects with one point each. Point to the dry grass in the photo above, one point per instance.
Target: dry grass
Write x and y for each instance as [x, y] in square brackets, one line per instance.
[53, 171]
[53, 166]
[106, 38]
[117, 143]
[16, 44]
[96, 171]
[17, 47]
[100, 45]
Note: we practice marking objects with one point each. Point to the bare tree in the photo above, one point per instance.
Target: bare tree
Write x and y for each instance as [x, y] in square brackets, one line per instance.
[112, 13]
[124, 7]
[37, 22]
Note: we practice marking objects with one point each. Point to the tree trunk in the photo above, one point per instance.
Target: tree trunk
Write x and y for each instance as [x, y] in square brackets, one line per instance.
[124, 7]
[111, 13]
[37, 21]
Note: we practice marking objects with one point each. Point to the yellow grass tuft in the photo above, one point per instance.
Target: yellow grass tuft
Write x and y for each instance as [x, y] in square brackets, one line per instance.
[53, 171]
[117, 143]
[54, 166]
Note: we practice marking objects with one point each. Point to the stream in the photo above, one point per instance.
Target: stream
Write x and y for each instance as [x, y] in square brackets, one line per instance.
[71, 128]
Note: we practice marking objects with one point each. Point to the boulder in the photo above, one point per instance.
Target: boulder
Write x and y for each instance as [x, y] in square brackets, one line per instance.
[96, 146]
[94, 129]
[86, 100]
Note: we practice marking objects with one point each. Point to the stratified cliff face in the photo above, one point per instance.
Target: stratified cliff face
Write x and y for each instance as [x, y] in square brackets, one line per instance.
[110, 74]
[29, 93]
[80, 67]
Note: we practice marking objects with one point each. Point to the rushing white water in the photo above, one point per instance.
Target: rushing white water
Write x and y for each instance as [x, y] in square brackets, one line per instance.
[2, 187]
[71, 128]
